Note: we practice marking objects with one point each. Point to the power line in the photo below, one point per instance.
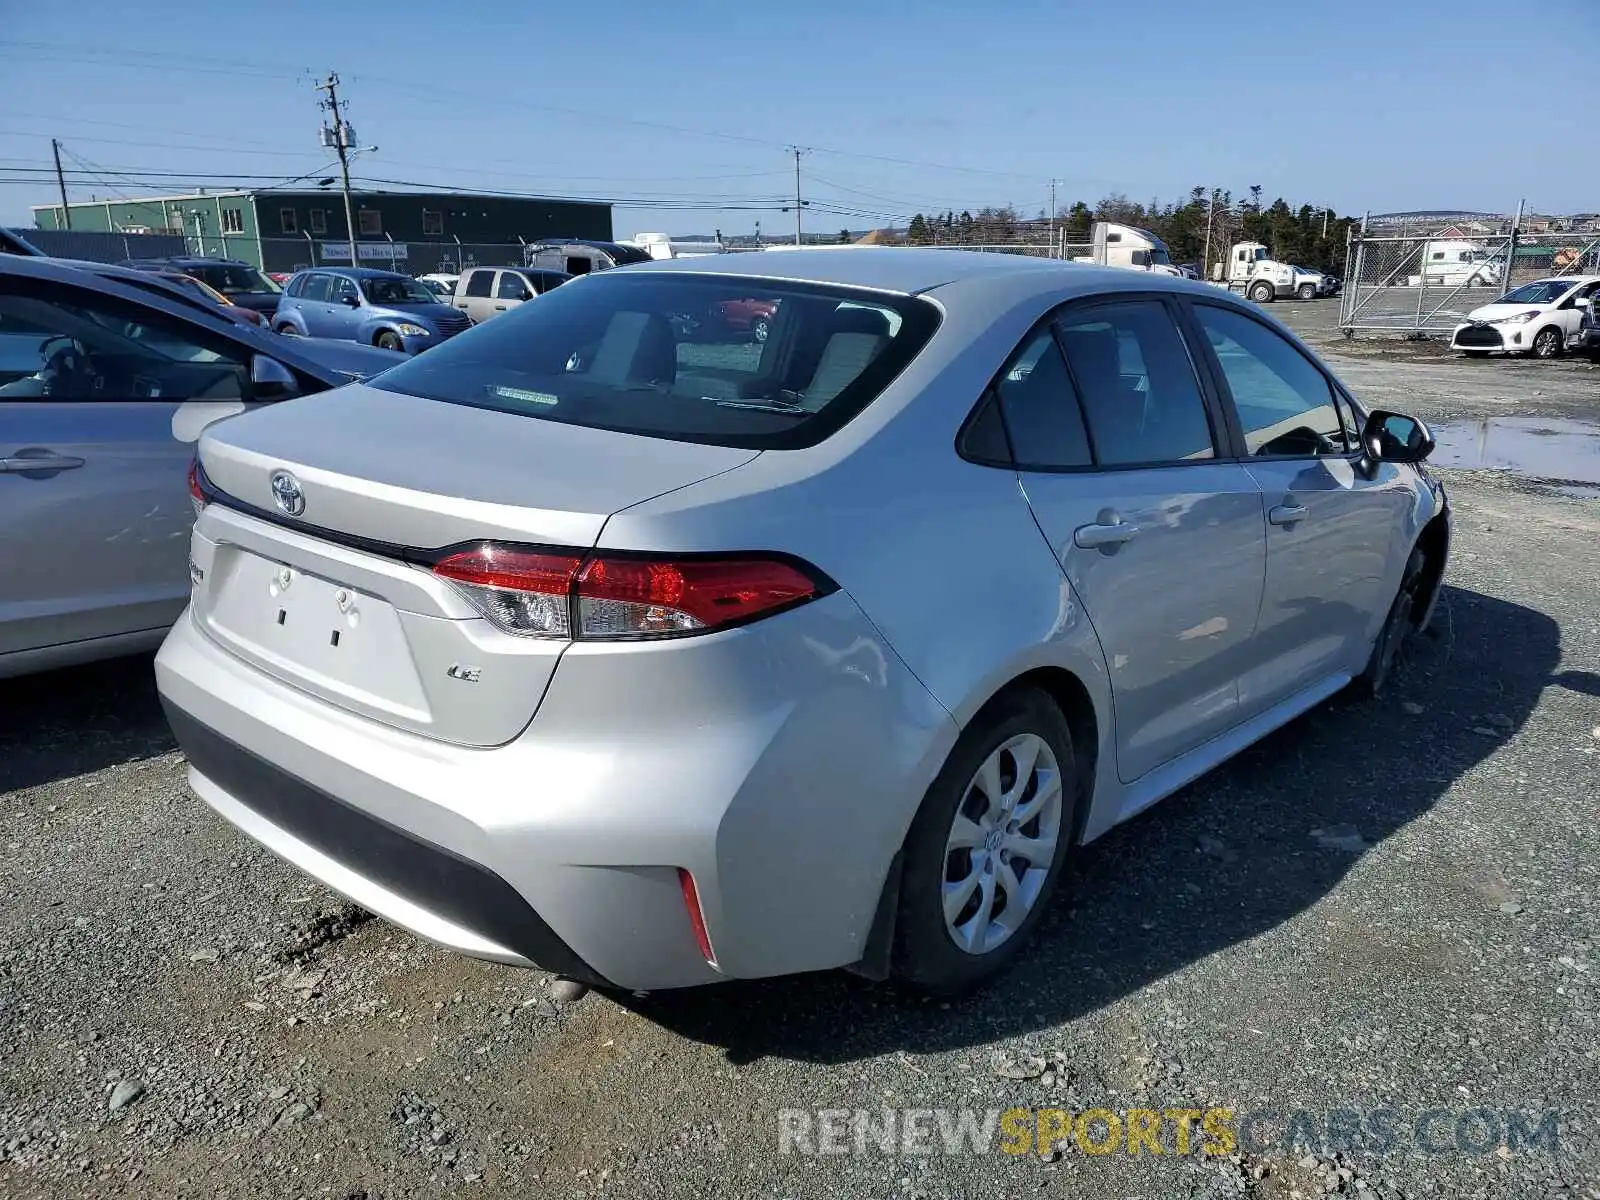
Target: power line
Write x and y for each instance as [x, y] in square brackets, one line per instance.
[434, 93]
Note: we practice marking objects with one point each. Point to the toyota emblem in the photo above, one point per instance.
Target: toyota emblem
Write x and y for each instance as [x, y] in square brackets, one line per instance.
[286, 493]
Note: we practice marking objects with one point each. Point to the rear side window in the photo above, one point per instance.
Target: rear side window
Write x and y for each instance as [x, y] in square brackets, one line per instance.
[512, 287]
[478, 283]
[635, 353]
[1041, 412]
[1137, 385]
[1285, 404]
[315, 287]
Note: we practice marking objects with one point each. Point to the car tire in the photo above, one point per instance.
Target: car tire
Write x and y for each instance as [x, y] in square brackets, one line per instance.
[1262, 293]
[1547, 343]
[390, 340]
[1307, 291]
[760, 328]
[1398, 626]
[1017, 729]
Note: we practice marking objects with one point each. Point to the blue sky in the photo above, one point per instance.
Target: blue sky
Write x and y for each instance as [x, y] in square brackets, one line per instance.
[1362, 104]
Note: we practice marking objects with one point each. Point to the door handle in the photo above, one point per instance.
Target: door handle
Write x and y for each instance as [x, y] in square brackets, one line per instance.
[29, 461]
[1103, 534]
[499, 308]
[1287, 513]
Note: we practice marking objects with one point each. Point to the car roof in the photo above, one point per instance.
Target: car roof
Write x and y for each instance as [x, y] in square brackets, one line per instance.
[197, 260]
[356, 272]
[916, 269]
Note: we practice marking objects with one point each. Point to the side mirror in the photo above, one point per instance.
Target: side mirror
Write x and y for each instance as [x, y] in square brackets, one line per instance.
[1583, 302]
[351, 301]
[1395, 438]
[270, 379]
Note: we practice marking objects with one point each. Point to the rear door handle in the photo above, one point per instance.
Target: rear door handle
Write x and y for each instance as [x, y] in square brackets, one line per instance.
[29, 461]
[1103, 534]
[499, 308]
[1286, 514]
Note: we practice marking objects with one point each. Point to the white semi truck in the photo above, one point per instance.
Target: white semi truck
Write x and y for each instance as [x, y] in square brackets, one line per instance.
[1114, 245]
[1252, 271]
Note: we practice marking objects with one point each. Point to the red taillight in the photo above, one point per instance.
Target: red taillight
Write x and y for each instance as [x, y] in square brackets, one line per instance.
[520, 591]
[540, 593]
[697, 918]
[197, 497]
[628, 597]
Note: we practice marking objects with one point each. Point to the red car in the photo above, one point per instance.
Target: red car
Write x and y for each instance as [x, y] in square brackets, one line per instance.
[752, 316]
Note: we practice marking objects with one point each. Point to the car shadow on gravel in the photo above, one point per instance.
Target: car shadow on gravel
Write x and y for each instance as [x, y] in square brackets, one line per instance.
[1237, 853]
[70, 722]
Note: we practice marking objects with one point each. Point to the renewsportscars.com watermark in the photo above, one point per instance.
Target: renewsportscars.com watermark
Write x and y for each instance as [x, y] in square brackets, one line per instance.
[1177, 1131]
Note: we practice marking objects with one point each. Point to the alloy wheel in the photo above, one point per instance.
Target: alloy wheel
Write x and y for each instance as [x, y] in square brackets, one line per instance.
[1001, 843]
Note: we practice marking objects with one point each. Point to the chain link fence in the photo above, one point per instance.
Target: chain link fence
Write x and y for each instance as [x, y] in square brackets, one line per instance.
[1418, 278]
[281, 255]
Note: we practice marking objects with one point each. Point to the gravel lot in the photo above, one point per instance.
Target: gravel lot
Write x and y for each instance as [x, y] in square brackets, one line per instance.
[1385, 905]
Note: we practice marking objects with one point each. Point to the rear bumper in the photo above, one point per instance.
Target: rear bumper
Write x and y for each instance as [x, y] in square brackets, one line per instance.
[450, 898]
[780, 764]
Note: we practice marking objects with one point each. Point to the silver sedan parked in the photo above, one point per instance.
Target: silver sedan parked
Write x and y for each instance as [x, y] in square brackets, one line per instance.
[107, 376]
[657, 660]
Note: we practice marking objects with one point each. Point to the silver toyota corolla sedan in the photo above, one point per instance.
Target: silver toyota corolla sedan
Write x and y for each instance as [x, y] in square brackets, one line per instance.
[608, 638]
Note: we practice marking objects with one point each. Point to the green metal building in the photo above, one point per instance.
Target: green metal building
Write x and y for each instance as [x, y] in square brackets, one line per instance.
[288, 230]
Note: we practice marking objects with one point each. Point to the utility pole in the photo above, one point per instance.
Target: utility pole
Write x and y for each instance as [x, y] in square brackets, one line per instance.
[341, 139]
[1053, 218]
[798, 151]
[1205, 255]
[61, 182]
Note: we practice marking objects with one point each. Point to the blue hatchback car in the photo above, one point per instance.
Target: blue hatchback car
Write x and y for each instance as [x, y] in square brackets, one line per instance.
[376, 308]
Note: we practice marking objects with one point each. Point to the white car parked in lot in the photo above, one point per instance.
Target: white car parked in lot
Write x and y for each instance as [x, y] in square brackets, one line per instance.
[1538, 318]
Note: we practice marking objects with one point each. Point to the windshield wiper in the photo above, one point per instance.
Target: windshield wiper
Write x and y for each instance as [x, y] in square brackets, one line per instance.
[772, 406]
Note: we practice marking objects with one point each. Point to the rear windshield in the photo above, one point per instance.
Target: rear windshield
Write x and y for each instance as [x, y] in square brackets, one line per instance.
[700, 358]
[233, 279]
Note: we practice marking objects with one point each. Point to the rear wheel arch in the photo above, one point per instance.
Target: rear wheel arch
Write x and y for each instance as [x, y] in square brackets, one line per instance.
[1072, 698]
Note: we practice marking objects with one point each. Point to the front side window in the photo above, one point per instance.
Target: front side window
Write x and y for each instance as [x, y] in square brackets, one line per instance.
[342, 290]
[1040, 410]
[1285, 404]
[1137, 385]
[370, 222]
[633, 353]
[62, 344]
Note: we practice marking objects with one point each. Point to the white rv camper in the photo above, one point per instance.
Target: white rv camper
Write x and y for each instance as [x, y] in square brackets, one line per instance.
[1449, 262]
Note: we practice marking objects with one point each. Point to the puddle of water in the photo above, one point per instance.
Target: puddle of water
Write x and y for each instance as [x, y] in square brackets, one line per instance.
[1537, 447]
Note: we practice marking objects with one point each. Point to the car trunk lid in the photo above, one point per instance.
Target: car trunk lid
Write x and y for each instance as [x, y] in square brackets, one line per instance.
[323, 582]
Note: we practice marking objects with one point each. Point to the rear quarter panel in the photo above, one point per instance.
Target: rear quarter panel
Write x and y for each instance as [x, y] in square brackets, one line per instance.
[942, 555]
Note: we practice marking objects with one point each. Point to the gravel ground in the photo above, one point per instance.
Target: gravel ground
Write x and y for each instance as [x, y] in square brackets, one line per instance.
[1383, 906]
